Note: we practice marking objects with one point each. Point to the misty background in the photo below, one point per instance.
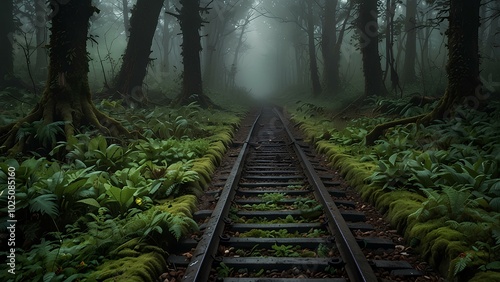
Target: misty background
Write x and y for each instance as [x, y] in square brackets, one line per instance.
[262, 46]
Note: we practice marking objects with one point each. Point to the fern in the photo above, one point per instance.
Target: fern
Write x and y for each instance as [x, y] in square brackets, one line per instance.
[45, 204]
[462, 262]
[47, 133]
[181, 225]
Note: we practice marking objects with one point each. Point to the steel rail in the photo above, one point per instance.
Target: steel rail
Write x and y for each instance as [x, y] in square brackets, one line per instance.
[199, 268]
[357, 266]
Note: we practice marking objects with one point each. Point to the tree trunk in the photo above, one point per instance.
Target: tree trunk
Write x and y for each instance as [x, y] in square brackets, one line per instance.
[128, 83]
[165, 64]
[41, 40]
[313, 64]
[389, 43]
[191, 22]
[368, 31]
[234, 65]
[67, 95]
[337, 48]
[126, 21]
[6, 40]
[491, 49]
[464, 86]
[411, 43]
[331, 75]
[211, 50]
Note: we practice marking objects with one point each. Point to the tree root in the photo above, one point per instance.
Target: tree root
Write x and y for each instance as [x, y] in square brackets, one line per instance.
[379, 129]
[88, 114]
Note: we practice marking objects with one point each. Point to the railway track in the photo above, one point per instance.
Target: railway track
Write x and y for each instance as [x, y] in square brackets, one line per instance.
[281, 217]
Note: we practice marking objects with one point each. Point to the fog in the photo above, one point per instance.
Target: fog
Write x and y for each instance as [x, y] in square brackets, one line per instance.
[264, 47]
[259, 71]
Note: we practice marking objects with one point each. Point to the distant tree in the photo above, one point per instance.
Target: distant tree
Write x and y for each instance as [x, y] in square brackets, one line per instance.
[221, 31]
[331, 75]
[368, 33]
[190, 20]
[126, 20]
[408, 75]
[464, 85]
[165, 63]
[67, 95]
[40, 23]
[7, 29]
[390, 64]
[331, 43]
[237, 50]
[128, 82]
[313, 63]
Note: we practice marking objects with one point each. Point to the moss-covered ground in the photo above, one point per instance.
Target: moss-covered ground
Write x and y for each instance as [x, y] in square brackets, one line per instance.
[438, 185]
[94, 208]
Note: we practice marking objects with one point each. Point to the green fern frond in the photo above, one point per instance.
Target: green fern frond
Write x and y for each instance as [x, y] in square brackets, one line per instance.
[45, 204]
[47, 133]
[462, 262]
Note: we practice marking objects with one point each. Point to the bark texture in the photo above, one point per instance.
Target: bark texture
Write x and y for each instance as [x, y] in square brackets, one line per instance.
[464, 86]
[190, 20]
[128, 83]
[6, 40]
[67, 95]
[313, 63]
[368, 33]
[331, 75]
[409, 75]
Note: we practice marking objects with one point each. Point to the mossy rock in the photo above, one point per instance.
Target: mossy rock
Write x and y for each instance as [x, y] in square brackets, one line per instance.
[144, 268]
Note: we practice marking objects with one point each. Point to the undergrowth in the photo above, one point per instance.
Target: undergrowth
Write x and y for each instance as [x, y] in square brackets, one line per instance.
[439, 184]
[94, 208]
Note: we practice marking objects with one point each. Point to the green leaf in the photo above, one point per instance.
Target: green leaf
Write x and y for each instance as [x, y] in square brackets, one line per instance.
[493, 265]
[90, 202]
[393, 158]
[124, 196]
[45, 204]
[495, 204]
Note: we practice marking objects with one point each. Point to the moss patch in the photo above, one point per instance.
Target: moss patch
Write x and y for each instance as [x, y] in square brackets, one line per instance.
[142, 268]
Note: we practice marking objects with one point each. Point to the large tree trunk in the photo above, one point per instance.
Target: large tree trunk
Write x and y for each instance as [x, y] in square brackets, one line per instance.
[41, 39]
[128, 82]
[411, 42]
[368, 31]
[331, 75]
[464, 86]
[191, 22]
[67, 95]
[6, 40]
[313, 64]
